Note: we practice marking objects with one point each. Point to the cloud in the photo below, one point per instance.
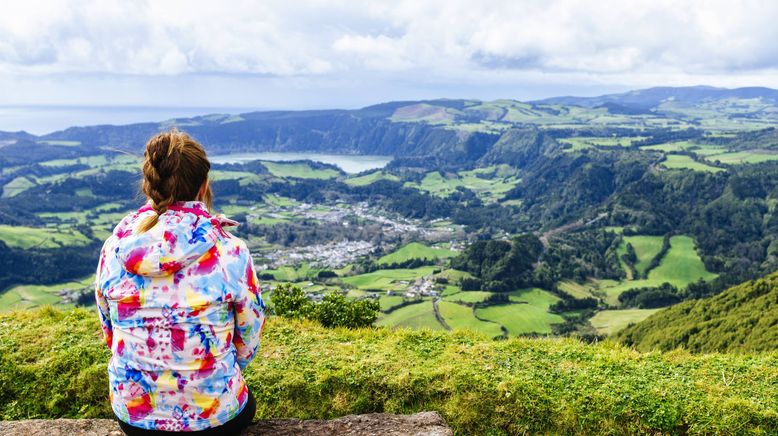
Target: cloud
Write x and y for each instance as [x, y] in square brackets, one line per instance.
[382, 47]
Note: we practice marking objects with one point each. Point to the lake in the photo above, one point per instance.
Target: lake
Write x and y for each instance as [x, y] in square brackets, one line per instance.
[349, 163]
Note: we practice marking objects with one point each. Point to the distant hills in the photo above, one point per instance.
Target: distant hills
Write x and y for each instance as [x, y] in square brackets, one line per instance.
[742, 318]
[654, 97]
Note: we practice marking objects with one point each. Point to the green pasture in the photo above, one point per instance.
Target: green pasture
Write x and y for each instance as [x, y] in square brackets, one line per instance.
[388, 279]
[299, 170]
[415, 250]
[607, 322]
[37, 237]
[29, 296]
[682, 161]
[417, 315]
[370, 178]
[519, 318]
[458, 316]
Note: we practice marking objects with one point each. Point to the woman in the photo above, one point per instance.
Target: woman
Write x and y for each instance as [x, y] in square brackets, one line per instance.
[179, 303]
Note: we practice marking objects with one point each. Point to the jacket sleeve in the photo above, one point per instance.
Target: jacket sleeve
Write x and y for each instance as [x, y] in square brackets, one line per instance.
[249, 312]
[102, 302]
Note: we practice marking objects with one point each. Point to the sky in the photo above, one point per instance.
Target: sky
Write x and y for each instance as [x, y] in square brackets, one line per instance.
[322, 54]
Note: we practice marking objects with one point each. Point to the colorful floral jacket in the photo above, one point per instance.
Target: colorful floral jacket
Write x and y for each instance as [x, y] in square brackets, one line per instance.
[182, 311]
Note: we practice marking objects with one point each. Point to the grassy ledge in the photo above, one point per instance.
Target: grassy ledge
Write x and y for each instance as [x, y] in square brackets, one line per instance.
[52, 364]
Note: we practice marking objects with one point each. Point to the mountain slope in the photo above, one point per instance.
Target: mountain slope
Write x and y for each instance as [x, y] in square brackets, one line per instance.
[742, 318]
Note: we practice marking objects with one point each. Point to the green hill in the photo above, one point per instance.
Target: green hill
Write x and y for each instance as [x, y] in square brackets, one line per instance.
[53, 364]
[742, 318]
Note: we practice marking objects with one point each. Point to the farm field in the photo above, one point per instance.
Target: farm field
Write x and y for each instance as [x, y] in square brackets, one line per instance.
[646, 248]
[299, 170]
[417, 315]
[29, 296]
[743, 157]
[29, 237]
[679, 267]
[607, 322]
[373, 177]
[415, 250]
[682, 161]
[388, 279]
[489, 183]
[520, 319]
[458, 316]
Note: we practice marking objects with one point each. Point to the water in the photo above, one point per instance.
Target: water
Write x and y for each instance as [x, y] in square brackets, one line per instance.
[351, 164]
[40, 120]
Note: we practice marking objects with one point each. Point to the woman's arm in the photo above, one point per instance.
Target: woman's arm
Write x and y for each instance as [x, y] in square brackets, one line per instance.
[102, 302]
[249, 312]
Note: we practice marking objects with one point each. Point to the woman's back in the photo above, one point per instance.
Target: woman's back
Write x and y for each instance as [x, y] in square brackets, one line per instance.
[181, 310]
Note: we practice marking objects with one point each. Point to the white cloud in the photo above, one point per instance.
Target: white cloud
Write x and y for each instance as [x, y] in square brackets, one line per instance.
[408, 44]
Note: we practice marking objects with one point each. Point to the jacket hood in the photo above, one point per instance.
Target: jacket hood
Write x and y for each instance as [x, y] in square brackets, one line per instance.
[183, 234]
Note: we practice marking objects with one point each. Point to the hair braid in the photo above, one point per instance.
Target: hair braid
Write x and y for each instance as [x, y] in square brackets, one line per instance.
[174, 169]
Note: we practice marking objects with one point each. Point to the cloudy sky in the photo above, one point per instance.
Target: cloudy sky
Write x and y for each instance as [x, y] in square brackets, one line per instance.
[316, 53]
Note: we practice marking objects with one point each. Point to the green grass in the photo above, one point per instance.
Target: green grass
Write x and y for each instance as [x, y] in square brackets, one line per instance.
[417, 316]
[682, 161]
[387, 302]
[370, 178]
[16, 186]
[576, 290]
[607, 322]
[53, 365]
[646, 248]
[29, 296]
[458, 316]
[534, 296]
[581, 142]
[299, 170]
[743, 157]
[489, 183]
[520, 319]
[415, 250]
[388, 279]
[680, 266]
[29, 237]
[468, 296]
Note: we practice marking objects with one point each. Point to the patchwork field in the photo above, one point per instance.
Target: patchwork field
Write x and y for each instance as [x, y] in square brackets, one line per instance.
[607, 322]
[299, 170]
[743, 157]
[417, 315]
[458, 316]
[388, 279]
[29, 296]
[36, 237]
[520, 319]
[370, 178]
[682, 161]
[679, 267]
[489, 183]
[415, 250]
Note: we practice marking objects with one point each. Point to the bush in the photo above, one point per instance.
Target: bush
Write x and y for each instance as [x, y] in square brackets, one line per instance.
[335, 310]
[53, 365]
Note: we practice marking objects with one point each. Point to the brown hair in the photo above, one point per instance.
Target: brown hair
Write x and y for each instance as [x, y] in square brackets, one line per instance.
[175, 167]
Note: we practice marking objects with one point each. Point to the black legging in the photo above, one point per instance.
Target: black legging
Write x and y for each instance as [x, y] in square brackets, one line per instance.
[231, 427]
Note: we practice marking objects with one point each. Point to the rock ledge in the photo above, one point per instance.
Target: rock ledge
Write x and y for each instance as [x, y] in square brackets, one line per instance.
[424, 423]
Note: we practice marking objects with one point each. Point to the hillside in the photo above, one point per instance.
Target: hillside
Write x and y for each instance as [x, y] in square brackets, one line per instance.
[53, 364]
[742, 318]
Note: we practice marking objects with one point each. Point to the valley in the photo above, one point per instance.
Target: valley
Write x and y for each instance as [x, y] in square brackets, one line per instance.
[506, 218]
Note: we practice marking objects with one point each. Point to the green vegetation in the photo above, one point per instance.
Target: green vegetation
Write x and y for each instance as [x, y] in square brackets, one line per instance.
[300, 170]
[415, 250]
[646, 248]
[679, 267]
[607, 322]
[458, 316]
[742, 318]
[417, 315]
[29, 296]
[489, 183]
[388, 279]
[29, 237]
[335, 310]
[371, 178]
[682, 161]
[480, 386]
[743, 157]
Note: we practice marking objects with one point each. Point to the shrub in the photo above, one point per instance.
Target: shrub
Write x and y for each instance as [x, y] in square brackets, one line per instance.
[335, 310]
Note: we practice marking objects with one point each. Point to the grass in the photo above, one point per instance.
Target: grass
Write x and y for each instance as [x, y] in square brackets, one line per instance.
[607, 322]
[370, 178]
[489, 183]
[743, 157]
[417, 316]
[458, 316]
[682, 161]
[680, 266]
[646, 248]
[468, 296]
[576, 290]
[388, 279]
[16, 186]
[30, 237]
[300, 170]
[53, 365]
[415, 250]
[389, 301]
[520, 319]
[534, 296]
[30, 296]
